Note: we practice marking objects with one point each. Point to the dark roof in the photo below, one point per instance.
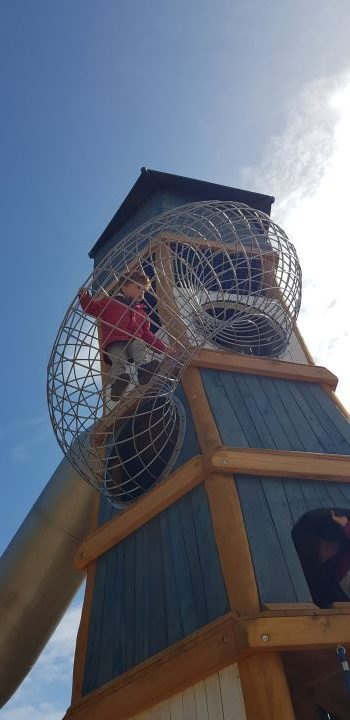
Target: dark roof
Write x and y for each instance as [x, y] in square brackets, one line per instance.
[149, 181]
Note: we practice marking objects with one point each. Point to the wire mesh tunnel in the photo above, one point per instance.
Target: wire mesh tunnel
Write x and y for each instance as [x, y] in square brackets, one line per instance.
[221, 275]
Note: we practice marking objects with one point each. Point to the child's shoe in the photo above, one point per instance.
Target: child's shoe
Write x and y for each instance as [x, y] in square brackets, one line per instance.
[119, 385]
[146, 371]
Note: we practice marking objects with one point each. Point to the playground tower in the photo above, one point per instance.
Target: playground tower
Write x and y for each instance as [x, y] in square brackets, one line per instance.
[204, 596]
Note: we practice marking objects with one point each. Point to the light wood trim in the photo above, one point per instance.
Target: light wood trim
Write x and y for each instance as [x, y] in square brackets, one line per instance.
[265, 688]
[334, 397]
[168, 309]
[341, 606]
[275, 607]
[289, 609]
[177, 484]
[230, 534]
[182, 665]
[280, 463]
[269, 634]
[303, 345]
[280, 369]
[83, 635]
[195, 241]
[207, 432]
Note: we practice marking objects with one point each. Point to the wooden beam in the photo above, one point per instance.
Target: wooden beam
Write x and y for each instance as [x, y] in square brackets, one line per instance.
[269, 634]
[83, 635]
[290, 609]
[167, 307]
[303, 345]
[180, 666]
[207, 432]
[336, 401]
[83, 632]
[220, 360]
[265, 688]
[230, 534]
[280, 463]
[177, 484]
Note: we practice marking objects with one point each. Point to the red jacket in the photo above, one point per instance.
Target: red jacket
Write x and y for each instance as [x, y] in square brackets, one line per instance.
[120, 322]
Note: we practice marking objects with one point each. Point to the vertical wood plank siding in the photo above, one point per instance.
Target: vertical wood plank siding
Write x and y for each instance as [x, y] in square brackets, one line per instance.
[262, 412]
[218, 697]
[158, 585]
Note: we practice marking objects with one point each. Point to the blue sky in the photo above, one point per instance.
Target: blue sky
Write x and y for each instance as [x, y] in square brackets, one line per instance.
[251, 94]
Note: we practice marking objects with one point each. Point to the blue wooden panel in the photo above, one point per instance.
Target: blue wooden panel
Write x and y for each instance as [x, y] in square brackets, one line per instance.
[334, 422]
[307, 438]
[157, 625]
[94, 644]
[175, 626]
[190, 446]
[285, 433]
[106, 649]
[182, 572]
[129, 600]
[187, 518]
[158, 585]
[272, 572]
[253, 411]
[339, 494]
[261, 412]
[214, 589]
[271, 507]
[150, 209]
[159, 202]
[282, 520]
[295, 498]
[142, 595]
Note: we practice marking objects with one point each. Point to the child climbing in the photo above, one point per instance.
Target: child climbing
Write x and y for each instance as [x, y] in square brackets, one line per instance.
[125, 330]
[334, 551]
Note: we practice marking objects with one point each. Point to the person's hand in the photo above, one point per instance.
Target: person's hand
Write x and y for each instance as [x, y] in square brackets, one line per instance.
[341, 520]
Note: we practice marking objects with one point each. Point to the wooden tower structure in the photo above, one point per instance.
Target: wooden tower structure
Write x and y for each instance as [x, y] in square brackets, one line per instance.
[199, 601]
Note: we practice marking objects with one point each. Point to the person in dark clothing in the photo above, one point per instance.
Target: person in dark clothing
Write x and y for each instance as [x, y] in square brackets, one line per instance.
[337, 553]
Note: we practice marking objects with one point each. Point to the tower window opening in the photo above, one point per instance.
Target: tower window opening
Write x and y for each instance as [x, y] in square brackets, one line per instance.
[245, 329]
[217, 271]
[322, 540]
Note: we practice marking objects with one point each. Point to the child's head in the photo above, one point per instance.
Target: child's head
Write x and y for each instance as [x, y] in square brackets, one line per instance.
[134, 285]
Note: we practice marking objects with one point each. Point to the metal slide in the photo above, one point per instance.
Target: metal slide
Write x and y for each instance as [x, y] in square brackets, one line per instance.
[37, 579]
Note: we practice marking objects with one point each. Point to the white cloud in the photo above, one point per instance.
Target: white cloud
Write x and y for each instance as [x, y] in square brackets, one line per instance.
[307, 168]
[50, 678]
